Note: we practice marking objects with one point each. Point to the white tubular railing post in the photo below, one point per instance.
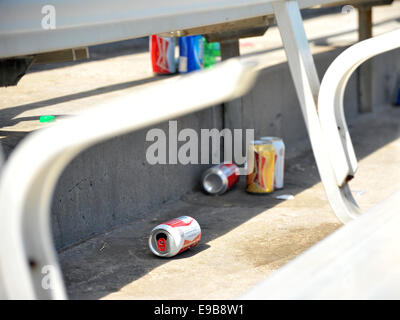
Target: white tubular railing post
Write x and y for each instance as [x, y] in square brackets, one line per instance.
[330, 100]
[307, 86]
[360, 260]
[31, 172]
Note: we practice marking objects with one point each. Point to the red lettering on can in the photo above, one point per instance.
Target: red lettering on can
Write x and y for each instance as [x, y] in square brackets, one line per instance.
[162, 54]
[259, 169]
[178, 223]
[162, 244]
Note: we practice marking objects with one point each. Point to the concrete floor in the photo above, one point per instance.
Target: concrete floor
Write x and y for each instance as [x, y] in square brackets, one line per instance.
[245, 237]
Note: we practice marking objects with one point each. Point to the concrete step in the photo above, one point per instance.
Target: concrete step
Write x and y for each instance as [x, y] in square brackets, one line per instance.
[244, 237]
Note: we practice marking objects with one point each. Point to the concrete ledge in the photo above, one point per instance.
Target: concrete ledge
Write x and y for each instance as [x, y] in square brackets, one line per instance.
[244, 237]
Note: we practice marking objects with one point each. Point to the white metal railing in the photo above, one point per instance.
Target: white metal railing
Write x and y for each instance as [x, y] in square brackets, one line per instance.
[307, 86]
[101, 21]
[330, 100]
[360, 260]
[26, 190]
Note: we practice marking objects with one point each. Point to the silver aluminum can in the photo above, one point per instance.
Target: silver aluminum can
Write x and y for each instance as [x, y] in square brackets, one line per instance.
[220, 178]
[279, 170]
[174, 236]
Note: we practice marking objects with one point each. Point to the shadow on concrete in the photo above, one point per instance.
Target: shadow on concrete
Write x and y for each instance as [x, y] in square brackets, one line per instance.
[102, 52]
[92, 274]
[7, 115]
[9, 139]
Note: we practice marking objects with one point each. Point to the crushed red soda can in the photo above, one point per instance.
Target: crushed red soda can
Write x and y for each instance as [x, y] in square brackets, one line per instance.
[220, 178]
[174, 236]
[162, 52]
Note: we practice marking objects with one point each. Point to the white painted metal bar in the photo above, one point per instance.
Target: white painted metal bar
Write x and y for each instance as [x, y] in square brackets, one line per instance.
[307, 87]
[330, 101]
[26, 246]
[359, 261]
[85, 23]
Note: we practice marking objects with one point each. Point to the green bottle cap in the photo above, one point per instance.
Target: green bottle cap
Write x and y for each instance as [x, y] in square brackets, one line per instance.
[47, 118]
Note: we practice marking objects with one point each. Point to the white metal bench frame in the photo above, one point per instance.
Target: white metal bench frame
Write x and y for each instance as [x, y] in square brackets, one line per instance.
[30, 174]
[307, 86]
[330, 100]
[26, 188]
[101, 21]
[361, 260]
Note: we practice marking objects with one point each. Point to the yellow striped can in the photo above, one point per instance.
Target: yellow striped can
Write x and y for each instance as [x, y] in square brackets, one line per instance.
[260, 167]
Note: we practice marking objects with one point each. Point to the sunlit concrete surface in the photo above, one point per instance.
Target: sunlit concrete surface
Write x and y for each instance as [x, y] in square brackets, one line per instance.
[245, 237]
